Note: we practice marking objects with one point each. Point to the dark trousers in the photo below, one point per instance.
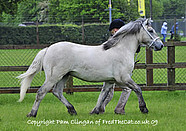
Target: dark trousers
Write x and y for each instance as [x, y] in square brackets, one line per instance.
[171, 35]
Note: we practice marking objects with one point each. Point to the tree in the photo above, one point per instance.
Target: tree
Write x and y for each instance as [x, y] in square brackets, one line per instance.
[157, 8]
[43, 13]
[125, 10]
[25, 10]
[174, 8]
[8, 7]
[72, 11]
[91, 10]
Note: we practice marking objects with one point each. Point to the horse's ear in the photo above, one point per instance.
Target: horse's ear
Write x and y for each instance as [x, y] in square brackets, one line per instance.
[145, 22]
[150, 21]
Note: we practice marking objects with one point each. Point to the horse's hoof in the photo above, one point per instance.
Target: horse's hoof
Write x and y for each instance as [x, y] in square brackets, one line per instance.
[102, 110]
[144, 109]
[72, 111]
[121, 112]
[30, 115]
[33, 113]
[94, 111]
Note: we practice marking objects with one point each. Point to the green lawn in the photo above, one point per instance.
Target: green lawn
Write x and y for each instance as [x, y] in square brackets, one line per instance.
[166, 113]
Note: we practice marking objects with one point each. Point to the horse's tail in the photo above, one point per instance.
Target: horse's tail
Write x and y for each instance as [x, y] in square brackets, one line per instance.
[27, 77]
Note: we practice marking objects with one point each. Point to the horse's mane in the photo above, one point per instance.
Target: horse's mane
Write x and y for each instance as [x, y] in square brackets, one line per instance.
[132, 27]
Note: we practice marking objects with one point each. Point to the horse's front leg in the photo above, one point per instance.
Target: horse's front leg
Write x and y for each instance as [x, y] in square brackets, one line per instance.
[142, 105]
[104, 93]
[120, 108]
[132, 85]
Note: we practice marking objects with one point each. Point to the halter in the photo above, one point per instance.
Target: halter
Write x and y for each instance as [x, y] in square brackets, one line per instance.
[154, 39]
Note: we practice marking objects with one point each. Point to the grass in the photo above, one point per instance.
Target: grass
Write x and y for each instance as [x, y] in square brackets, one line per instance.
[168, 37]
[183, 38]
[166, 113]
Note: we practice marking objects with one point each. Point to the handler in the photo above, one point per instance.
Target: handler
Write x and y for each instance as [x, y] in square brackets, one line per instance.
[164, 30]
[172, 30]
[114, 26]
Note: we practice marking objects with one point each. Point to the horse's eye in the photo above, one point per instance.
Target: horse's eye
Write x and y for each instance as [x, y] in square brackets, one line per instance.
[151, 31]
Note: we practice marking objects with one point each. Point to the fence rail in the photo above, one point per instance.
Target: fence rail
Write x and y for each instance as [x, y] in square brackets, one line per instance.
[170, 65]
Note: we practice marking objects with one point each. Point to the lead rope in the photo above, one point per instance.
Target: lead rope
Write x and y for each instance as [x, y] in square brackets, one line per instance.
[136, 61]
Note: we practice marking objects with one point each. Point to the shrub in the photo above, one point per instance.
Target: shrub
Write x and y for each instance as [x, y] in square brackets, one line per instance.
[48, 34]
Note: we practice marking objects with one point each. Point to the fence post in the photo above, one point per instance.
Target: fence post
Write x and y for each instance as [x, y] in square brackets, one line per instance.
[149, 72]
[37, 32]
[69, 85]
[171, 61]
[83, 31]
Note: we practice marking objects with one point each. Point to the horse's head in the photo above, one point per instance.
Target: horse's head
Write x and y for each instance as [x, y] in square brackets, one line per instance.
[150, 37]
[142, 27]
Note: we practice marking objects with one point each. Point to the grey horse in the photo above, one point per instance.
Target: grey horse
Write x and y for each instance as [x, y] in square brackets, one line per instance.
[112, 62]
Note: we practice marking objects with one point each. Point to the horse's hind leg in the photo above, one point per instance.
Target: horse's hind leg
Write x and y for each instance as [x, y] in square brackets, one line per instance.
[108, 99]
[47, 86]
[102, 97]
[120, 108]
[58, 92]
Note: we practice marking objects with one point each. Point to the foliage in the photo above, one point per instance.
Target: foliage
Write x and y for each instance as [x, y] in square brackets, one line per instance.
[14, 35]
[124, 10]
[24, 10]
[74, 11]
[174, 8]
[28, 10]
[68, 11]
[44, 9]
[9, 6]
[91, 10]
[157, 8]
[54, 33]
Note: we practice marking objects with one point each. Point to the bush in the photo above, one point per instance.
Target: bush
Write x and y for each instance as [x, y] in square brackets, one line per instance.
[96, 34]
[49, 34]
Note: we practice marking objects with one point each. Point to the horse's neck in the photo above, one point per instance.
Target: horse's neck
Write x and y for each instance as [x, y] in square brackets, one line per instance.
[129, 44]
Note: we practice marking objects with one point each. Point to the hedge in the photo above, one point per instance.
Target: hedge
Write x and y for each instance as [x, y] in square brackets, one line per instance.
[49, 34]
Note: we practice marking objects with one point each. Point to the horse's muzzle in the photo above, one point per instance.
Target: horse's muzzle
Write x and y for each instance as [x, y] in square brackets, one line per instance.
[158, 46]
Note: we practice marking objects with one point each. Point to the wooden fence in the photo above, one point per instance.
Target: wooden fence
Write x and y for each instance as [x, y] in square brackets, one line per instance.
[149, 66]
